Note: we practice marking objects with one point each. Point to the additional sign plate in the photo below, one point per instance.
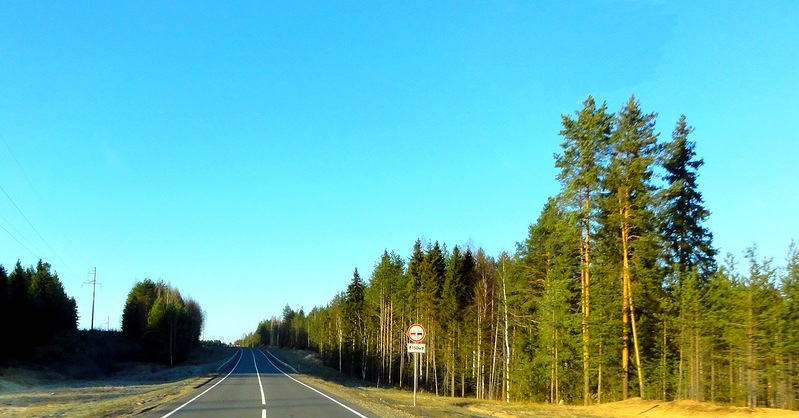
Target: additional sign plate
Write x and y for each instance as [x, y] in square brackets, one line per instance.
[416, 333]
[416, 348]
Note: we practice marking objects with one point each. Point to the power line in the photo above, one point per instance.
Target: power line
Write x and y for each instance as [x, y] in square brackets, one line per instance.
[15, 239]
[41, 201]
[16, 231]
[33, 227]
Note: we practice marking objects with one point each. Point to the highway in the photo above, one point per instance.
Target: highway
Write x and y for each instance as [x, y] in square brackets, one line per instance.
[257, 388]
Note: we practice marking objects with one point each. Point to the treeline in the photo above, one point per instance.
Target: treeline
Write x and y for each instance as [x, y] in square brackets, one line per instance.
[167, 325]
[33, 308]
[615, 292]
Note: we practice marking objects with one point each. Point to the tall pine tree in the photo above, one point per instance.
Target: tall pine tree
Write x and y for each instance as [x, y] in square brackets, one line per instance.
[585, 148]
[629, 207]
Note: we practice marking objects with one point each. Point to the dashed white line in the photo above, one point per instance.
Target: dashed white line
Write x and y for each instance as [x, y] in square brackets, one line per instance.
[310, 387]
[205, 391]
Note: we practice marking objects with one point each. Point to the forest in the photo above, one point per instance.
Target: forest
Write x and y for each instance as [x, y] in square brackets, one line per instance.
[167, 325]
[616, 291]
[157, 322]
[34, 307]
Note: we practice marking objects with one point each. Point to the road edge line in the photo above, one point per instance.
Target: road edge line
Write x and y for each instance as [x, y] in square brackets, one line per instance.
[311, 387]
[282, 362]
[205, 391]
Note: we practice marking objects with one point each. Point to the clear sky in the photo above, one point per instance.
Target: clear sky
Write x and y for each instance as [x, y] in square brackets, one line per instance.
[253, 154]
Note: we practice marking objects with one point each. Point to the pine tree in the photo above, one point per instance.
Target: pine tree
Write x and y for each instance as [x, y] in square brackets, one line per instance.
[585, 147]
[552, 256]
[629, 206]
[790, 314]
[385, 283]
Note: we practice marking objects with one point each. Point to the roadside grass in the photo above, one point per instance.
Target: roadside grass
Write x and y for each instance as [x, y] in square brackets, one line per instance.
[134, 387]
[391, 402]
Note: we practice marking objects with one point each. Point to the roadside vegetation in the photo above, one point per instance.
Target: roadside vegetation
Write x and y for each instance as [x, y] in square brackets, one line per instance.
[98, 374]
[34, 308]
[616, 292]
[167, 325]
[392, 402]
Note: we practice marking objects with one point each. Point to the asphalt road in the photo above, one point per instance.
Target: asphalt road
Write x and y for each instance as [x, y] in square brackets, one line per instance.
[256, 388]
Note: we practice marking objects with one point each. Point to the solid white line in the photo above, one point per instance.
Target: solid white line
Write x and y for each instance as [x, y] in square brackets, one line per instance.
[226, 362]
[258, 375]
[312, 388]
[220, 381]
[282, 362]
[263, 413]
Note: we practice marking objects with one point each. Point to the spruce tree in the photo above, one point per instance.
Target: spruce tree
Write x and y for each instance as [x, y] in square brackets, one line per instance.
[689, 243]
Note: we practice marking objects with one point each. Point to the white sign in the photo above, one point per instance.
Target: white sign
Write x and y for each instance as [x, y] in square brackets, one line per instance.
[416, 333]
[416, 348]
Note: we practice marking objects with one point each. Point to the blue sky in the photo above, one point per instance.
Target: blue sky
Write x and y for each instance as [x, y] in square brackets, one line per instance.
[254, 154]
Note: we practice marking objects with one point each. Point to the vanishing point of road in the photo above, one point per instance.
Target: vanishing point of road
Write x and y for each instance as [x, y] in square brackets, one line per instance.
[257, 388]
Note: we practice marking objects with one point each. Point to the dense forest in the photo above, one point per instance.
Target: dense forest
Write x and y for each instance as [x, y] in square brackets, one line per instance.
[33, 308]
[615, 292]
[157, 321]
[167, 325]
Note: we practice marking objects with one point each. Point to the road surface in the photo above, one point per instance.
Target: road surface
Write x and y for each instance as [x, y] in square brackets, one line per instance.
[256, 388]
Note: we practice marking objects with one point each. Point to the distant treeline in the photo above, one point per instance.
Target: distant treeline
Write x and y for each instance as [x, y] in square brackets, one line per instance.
[615, 292]
[33, 308]
[167, 325]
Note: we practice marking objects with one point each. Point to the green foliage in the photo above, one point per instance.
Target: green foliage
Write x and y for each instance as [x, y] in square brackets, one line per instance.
[688, 242]
[35, 308]
[616, 257]
[159, 318]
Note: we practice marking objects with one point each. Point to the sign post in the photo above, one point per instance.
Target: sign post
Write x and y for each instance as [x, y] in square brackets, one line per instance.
[416, 334]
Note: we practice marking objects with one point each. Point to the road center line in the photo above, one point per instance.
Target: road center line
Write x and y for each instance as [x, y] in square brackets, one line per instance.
[258, 375]
[312, 388]
[204, 392]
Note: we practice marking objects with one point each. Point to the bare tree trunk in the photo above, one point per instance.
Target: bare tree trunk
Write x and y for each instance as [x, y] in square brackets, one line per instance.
[340, 342]
[751, 395]
[663, 364]
[507, 344]
[635, 344]
[585, 282]
[492, 378]
[401, 353]
[599, 375]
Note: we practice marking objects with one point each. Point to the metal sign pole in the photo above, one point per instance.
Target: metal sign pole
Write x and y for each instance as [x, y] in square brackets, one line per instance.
[415, 375]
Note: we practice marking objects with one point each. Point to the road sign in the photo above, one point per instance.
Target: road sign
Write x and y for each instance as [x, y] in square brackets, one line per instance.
[416, 333]
[416, 348]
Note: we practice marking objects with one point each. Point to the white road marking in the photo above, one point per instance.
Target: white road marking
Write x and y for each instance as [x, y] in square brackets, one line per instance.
[263, 413]
[258, 375]
[312, 388]
[205, 391]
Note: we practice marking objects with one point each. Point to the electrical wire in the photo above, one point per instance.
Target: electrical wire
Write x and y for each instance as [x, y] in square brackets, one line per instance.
[20, 211]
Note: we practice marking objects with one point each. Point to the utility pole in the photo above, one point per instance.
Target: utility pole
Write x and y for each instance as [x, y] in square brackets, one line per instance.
[94, 289]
